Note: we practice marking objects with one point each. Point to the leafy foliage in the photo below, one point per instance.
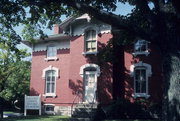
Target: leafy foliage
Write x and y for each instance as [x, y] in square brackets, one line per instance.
[14, 73]
[157, 21]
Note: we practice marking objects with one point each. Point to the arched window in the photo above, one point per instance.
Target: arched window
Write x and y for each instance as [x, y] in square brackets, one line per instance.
[50, 82]
[50, 75]
[141, 72]
[90, 41]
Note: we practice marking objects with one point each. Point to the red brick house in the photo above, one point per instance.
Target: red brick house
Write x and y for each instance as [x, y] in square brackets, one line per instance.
[66, 69]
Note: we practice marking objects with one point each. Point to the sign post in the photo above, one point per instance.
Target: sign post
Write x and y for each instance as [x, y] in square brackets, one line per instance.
[32, 103]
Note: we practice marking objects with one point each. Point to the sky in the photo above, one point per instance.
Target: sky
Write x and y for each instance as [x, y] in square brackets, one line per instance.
[122, 9]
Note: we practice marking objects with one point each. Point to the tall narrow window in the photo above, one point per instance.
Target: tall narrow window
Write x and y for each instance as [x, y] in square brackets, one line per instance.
[50, 82]
[51, 51]
[90, 41]
[140, 80]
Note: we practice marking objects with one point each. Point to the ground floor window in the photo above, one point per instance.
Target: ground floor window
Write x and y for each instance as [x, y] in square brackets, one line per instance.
[49, 109]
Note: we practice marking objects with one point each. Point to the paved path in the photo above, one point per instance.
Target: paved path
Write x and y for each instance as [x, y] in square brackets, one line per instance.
[12, 115]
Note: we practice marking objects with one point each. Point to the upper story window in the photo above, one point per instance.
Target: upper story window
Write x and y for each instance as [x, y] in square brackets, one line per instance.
[51, 53]
[90, 42]
[141, 72]
[141, 48]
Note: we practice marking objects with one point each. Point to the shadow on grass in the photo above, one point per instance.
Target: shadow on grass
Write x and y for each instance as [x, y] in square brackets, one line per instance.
[37, 118]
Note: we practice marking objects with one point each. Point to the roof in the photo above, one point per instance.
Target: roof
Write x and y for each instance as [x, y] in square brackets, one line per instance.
[72, 19]
[50, 37]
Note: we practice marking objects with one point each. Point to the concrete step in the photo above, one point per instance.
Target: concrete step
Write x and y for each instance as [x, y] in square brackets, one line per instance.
[84, 105]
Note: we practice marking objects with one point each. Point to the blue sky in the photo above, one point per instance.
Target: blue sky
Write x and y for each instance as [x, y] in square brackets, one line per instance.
[122, 9]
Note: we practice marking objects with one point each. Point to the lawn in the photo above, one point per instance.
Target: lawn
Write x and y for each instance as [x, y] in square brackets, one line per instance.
[52, 118]
[38, 118]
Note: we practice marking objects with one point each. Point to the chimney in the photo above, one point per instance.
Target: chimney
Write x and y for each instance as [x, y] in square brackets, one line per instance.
[57, 29]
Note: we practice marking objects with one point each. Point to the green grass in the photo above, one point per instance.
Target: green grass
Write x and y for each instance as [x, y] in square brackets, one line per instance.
[38, 118]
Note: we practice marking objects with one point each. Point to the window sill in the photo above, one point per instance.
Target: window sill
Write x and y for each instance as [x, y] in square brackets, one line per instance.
[141, 53]
[51, 59]
[50, 95]
[89, 53]
[145, 95]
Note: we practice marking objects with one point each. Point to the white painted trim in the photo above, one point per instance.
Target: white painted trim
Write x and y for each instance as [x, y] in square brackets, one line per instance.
[141, 64]
[56, 75]
[95, 28]
[94, 87]
[50, 68]
[136, 95]
[49, 112]
[51, 58]
[89, 53]
[89, 65]
[50, 94]
[148, 74]
[141, 52]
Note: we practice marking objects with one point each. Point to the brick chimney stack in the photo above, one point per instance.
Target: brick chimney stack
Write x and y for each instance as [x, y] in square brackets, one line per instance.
[57, 29]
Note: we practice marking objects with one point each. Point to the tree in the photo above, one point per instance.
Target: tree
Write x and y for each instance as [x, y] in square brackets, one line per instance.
[157, 21]
[14, 73]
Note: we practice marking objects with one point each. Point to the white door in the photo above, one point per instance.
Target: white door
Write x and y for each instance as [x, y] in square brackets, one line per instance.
[90, 86]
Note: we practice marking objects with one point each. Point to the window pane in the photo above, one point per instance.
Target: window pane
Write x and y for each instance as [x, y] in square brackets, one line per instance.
[52, 88]
[88, 35]
[89, 44]
[93, 44]
[50, 108]
[143, 75]
[93, 35]
[143, 87]
[137, 86]
[137, 74]
[48, 88]
[50, 81]
[51, 51]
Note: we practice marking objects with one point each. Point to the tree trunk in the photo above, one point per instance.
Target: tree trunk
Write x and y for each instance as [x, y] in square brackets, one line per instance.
[118, 67]
[171, 102]
[1, 107]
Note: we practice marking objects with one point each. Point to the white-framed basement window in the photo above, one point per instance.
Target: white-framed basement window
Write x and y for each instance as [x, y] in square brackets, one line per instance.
[90, 41]
[50, 75]
[141, 73]
[49, 109]
[141, 48]
[51, 53]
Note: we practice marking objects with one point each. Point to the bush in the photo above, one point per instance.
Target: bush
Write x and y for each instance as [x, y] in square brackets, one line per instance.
[124, 109]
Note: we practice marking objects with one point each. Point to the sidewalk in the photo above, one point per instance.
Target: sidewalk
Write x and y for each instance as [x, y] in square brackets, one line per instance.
[12, 115]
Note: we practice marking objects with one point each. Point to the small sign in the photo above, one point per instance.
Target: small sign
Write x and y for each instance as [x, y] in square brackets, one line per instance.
[32, 103]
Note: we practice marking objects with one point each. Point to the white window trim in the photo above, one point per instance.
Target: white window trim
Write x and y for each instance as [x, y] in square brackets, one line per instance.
[53, 57]
[89, 65]
[49, 112]
[95, 87]
[142, 52]
[56, 75]
[148, 74]
[95, 52]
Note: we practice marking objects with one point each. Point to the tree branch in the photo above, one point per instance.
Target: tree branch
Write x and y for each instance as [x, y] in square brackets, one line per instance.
[118, 22]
